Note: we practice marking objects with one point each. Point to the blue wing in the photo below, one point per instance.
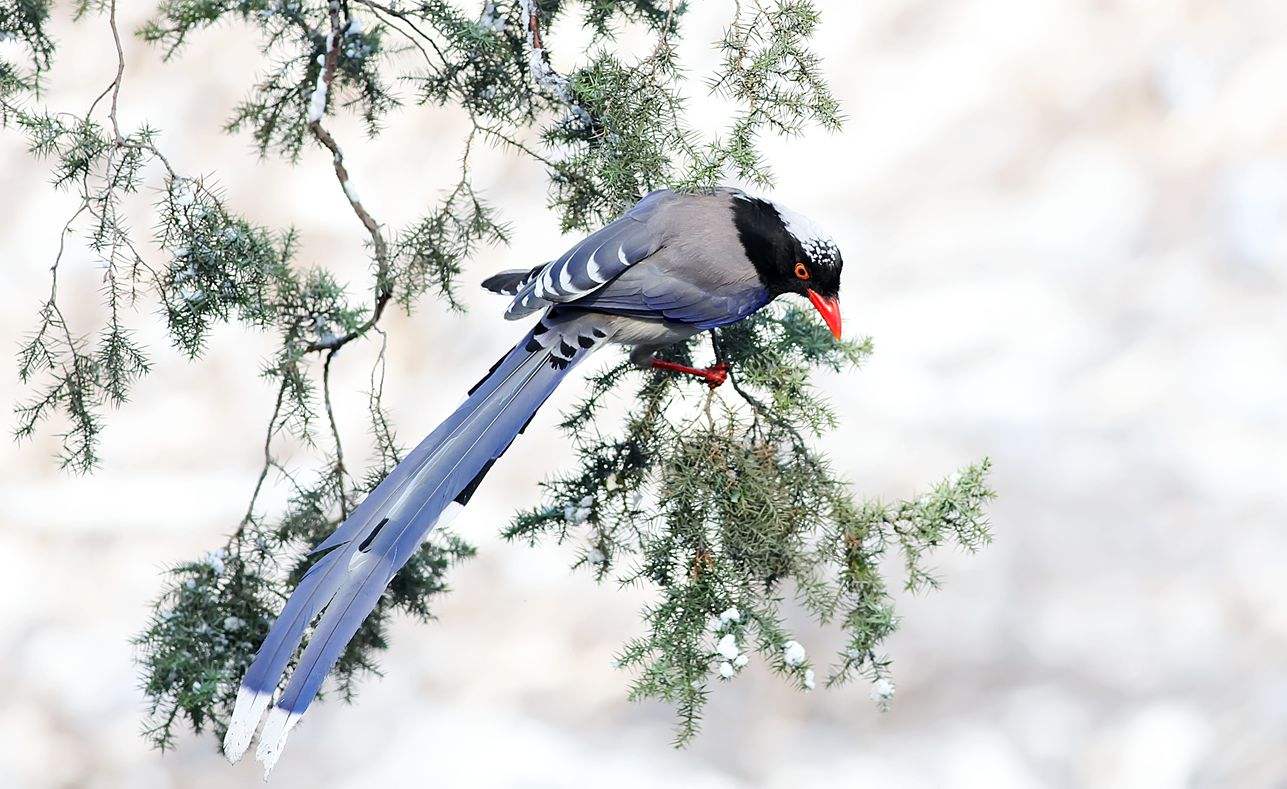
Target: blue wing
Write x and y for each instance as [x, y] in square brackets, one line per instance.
[653, 294]
[620, 270]
[598, 259]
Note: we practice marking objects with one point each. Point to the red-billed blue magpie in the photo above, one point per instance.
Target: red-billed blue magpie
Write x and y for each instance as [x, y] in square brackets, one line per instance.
[673, 265]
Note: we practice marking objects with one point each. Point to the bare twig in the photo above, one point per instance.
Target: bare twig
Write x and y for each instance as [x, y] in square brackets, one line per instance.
[268, 463]
[120, 72]
[335, 434]
[379, 419]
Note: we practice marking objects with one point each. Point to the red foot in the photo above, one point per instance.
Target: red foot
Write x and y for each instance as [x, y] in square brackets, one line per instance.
[714, 375]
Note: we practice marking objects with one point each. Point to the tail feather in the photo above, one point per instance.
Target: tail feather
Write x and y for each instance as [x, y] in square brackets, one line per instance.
[372, 567]
[314, 591]
[320, 584]
[430, 486]
[510, 282]
[367, 512]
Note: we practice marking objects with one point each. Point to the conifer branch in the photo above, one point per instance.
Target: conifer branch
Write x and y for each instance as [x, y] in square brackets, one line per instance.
[718, 501]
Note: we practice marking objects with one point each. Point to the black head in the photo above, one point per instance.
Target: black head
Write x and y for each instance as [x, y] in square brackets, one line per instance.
[791, 254]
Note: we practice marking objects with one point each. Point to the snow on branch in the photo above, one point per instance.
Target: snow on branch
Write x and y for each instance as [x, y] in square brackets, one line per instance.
[538, 64]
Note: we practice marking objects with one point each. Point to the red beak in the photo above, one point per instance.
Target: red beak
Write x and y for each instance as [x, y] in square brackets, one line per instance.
[829, 309]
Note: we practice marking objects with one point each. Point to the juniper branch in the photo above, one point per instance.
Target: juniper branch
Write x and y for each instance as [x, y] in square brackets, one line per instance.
[719, 502]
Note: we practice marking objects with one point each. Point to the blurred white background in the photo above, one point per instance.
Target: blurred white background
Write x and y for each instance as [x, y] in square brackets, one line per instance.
[1065, 223]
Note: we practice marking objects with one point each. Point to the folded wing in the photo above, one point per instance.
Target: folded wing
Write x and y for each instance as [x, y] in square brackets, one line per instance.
[597, 259]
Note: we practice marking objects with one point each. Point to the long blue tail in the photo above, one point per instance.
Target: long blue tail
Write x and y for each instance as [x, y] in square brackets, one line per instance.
[361, 557]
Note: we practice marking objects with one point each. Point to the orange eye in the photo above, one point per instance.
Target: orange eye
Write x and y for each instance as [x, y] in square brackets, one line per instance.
[801, 271]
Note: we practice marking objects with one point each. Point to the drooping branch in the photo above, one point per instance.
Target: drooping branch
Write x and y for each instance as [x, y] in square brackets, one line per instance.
[84, 380]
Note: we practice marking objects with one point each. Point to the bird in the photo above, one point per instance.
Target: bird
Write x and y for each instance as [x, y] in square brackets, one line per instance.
[675, 264]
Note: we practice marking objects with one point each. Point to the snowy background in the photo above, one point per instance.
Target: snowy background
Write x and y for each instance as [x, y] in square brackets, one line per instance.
[1065, 223]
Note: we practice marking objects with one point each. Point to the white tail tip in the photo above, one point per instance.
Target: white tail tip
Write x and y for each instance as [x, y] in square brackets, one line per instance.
[246, 713]
[273, 739]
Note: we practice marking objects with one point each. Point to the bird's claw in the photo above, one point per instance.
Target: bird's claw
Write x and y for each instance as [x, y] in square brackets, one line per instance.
[715, 375]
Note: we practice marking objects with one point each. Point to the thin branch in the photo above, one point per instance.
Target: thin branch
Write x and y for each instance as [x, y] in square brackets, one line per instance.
[114, 89]
[758, 407]
[385, 443]
[406, 19]
[335, 433]
[120, 72]
[383, 289]
[268, 463]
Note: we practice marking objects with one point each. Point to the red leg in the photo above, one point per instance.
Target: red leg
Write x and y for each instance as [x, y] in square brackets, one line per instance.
[714, 375]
